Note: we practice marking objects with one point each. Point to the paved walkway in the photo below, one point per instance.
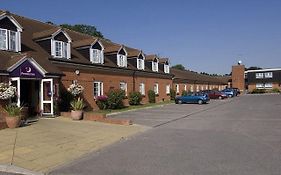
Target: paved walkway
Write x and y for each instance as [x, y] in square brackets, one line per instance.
[52, 142]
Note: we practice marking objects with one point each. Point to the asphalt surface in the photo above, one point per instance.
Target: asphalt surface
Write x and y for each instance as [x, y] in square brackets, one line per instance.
[239, 136]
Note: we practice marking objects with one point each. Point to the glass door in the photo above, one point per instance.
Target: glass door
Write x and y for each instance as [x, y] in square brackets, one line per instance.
[47, 106]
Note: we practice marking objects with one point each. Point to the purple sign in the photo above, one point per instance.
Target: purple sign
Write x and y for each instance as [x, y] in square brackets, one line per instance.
[26, 70]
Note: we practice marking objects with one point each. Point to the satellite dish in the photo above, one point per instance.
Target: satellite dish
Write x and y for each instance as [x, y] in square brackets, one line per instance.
[239, 62]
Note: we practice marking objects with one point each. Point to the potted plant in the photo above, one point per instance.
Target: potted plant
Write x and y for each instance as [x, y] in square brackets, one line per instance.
[77, 109]
[14, 115]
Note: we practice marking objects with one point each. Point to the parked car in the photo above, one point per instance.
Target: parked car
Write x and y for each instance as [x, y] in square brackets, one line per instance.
[199, 98]
[237, 91]
[229, 92]
[217, 95]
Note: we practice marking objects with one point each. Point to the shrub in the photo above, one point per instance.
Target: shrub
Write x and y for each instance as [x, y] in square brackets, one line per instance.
[65, 98]
[115, 99]
[172, 94]
[75, 89]
[13, 110]
[258, 91]
[151, 96]
[135, 98]
[275, 90]
[102, 102]
[77, 104]
[184, 93]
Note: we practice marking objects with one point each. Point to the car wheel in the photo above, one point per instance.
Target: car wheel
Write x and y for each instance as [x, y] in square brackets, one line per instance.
[179, 102]
[200, 102]
[220, 97]
[229, 96]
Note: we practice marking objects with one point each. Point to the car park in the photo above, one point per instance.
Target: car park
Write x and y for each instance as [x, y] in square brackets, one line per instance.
[199, 98]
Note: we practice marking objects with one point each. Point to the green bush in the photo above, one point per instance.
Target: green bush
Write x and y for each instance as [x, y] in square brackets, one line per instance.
[258, 91]
[275, 90]
[101, 101]
[77, 104]
[115, 99]
[172, 94]
[184, 93]
[151, 96]
[135, 98]
[13, 110]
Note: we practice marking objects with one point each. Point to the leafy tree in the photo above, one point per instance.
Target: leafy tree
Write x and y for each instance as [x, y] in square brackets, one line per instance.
[179, 66]
[253, 68]
[83, 28]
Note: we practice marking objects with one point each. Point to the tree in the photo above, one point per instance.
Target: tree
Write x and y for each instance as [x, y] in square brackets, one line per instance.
[83, 28]
[253, 68]
[179, 66]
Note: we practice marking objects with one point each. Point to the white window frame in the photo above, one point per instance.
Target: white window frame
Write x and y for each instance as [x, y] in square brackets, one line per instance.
[121, 60]
[197, 88]
[268, 75]
[99, 86]
[142, 88]
[268, 85]
[123, 86]
[177, 88]
[259, 75]
[140, 64]
[156, 88]
[185, 87]
[166, 69]
[168, 88]
[8, 40]
[191, 88]
[154, 66]
[260, 85]
[97, 57]
[64, 50]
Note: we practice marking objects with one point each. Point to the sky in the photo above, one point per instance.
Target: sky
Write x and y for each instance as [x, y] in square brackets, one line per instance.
[203, 35]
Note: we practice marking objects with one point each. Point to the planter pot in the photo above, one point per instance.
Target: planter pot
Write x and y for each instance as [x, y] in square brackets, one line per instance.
[13, 122]
[76, 115]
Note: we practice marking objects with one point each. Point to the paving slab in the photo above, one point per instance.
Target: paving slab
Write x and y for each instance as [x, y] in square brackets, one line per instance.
[52, 142]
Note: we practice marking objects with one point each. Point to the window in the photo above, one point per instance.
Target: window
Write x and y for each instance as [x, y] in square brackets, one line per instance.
[121, 60]
[185, 87]
[155, 88]
[268, 85]
[140, 64]
[206, 87]
[166, 69]
[9, 40]
[61, 49]
[191, 88]
[96, 56]
[259, 75]
[142, 89]
[168, 89]
[197, 88]
[123, 86]
[154, 66]
[268, 75]
[202, 88]
[98, 88]
[177, 88]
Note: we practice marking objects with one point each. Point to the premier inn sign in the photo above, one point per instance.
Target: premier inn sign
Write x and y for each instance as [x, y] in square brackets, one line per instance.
[26, 70]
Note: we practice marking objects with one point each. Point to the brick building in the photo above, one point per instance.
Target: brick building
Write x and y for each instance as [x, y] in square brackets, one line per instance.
[42, 60]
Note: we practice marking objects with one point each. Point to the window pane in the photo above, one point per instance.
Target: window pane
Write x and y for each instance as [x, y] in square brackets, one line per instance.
[3, 39]
[12, 40]
[58, 49]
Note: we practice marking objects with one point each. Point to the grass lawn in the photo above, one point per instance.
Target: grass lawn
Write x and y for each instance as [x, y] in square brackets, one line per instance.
[128, 108]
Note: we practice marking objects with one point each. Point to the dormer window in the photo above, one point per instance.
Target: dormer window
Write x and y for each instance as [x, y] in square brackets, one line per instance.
[10, 34]
[60, 45]
[140, 62]
[166, 68]
[122, 58]
[154, 66]
[96, 53]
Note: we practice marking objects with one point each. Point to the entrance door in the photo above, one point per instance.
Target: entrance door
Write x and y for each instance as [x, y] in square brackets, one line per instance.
[16, 83]
[47, 106]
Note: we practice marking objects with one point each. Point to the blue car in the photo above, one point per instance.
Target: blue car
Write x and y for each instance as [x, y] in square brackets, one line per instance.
[199, 98]
[229, 92]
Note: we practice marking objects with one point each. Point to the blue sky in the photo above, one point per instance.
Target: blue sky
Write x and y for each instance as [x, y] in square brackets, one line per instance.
[203, 35]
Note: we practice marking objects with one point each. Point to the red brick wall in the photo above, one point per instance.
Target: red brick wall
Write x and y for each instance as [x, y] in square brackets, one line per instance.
[111, 81]
[238, 80]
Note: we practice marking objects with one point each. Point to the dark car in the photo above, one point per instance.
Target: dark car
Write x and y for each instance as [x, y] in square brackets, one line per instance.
[199, 98]
[217, 95]
[237, 91]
